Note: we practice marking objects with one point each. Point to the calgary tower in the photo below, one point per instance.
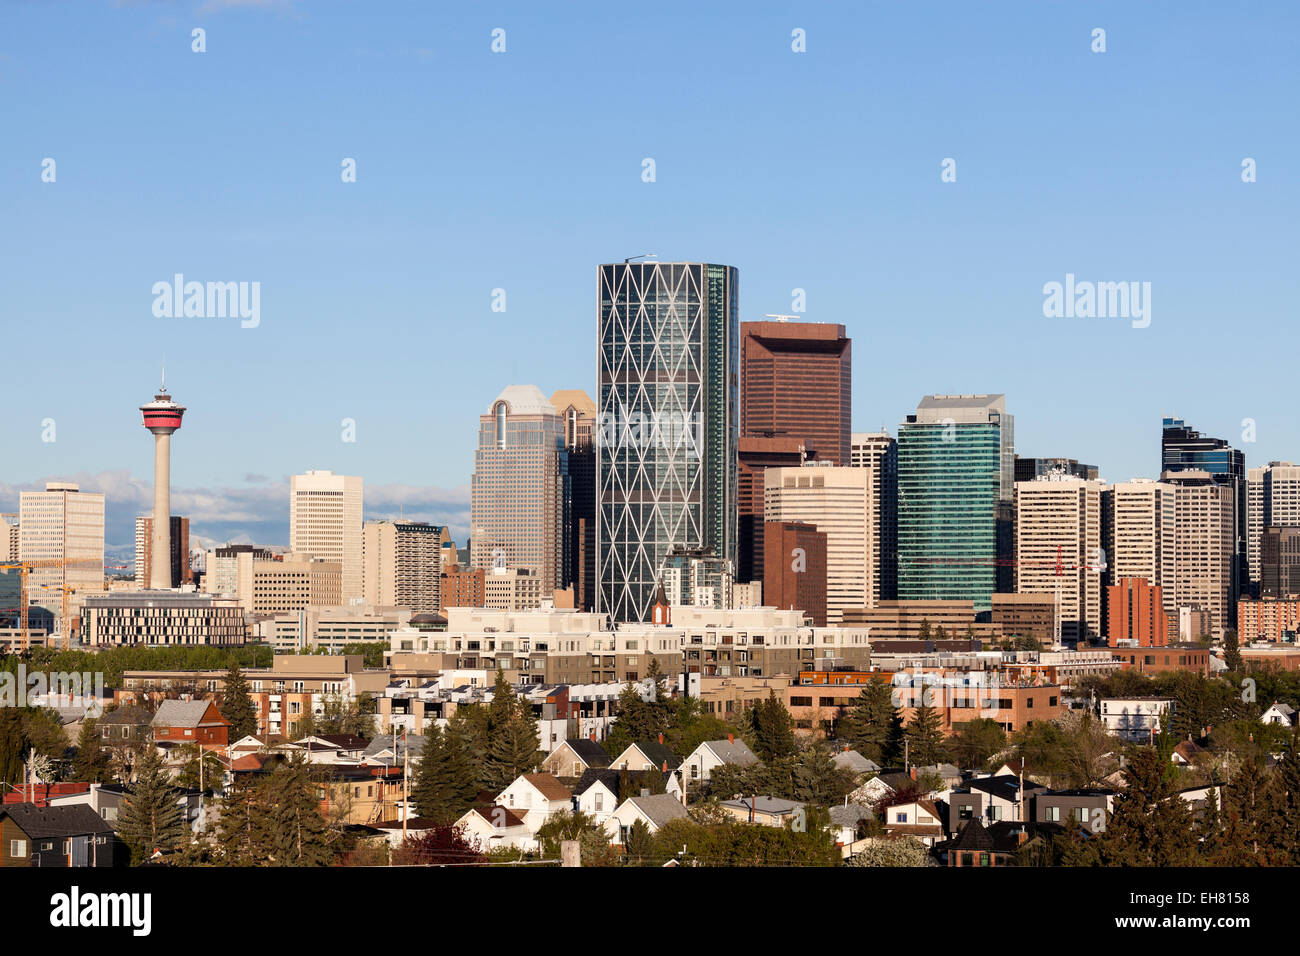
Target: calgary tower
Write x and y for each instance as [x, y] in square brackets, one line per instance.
[162, 416]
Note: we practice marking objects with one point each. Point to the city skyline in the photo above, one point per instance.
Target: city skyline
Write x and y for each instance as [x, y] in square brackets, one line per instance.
[822, 180]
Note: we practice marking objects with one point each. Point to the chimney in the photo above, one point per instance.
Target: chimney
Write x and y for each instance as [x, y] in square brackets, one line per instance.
[913, 773]
[846, 748]
[665, 770]
[731, 738]
[645, 791]
[592, 736]
[661, 738]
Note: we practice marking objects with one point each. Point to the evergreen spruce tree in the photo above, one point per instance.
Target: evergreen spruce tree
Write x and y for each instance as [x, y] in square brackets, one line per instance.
[513, 749]
[445, 785]
[873, 726]
[925, 736]
[93, 763]
[151, 818]
[1232, 651]
[236, 705]
[287, 827]
[773, 729]
[236, 824]
[1151, 824]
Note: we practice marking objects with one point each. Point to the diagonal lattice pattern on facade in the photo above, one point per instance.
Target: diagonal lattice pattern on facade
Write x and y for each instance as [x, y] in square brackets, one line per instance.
[667, 429]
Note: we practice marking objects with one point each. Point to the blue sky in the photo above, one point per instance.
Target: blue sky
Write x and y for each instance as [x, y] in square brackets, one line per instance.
[522, 170]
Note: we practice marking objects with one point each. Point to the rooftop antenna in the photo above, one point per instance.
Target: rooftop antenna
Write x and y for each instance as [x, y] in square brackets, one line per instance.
[644, 255]
[164, 373]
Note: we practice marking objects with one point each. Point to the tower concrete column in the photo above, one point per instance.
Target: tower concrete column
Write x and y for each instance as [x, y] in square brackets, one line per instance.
[162, 416]
[160, 568]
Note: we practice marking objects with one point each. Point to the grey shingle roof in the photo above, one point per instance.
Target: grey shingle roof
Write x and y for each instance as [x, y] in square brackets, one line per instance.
[180, 713]
[39, 822]
[771, 805]
[852, 760]
[849, 815]
[659, 807]
[590, 752]
[734, 752]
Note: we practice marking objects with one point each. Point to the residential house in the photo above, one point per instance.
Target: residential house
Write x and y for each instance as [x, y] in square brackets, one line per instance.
[654, 810]
[57, 837]
[106, 801]
[1089, 808]
[491, 827]
[995, 845]
[576, 756]
[362, 794]
[946, 772]
[535, 798]
[1186, 753]
[848, 821]
[389, 750]
[855, 763]
[712, 754]
[921, 819]
[767, 811]
[125, 726]
[645, 754]
[1281, 714]
[598, 791]
[181, 722]
[1135, 718]
[991, 799]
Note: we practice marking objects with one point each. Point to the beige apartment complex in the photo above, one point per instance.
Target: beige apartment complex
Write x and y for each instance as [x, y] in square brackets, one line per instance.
[1272, 498]
[180, 556]
[1058, 549]
[1140, 524]
[62, 523]
[552, 645]
[8, 538]
[403, 564]
[1204, 518]
[517, 491]
[840, 501]
[514, 589]
[325, 522]
[297, 582]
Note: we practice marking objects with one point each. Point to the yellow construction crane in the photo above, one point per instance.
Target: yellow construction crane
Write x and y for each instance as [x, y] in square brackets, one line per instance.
[25, 568]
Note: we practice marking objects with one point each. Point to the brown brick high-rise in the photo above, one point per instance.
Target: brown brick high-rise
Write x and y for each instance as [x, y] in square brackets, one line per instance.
[795, 391]
[1136, 614]
[796, 381]
[794, 568]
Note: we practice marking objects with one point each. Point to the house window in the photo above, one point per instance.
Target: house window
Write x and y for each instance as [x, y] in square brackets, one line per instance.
[965, 812]
[17, 847]
[901, 817]
[984, 859]
[600, 802]
[47, 845]
[1054, 814]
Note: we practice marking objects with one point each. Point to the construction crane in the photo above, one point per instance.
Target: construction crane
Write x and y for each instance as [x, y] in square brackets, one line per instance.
[24, 568]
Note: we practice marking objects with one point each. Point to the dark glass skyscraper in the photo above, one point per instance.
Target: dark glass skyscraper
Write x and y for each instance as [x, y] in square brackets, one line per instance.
[955, 469]
[1184, 449]
[668, 424]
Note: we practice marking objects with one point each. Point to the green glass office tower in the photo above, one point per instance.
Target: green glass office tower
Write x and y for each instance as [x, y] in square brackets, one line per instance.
[667, 431]
[956, 466]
